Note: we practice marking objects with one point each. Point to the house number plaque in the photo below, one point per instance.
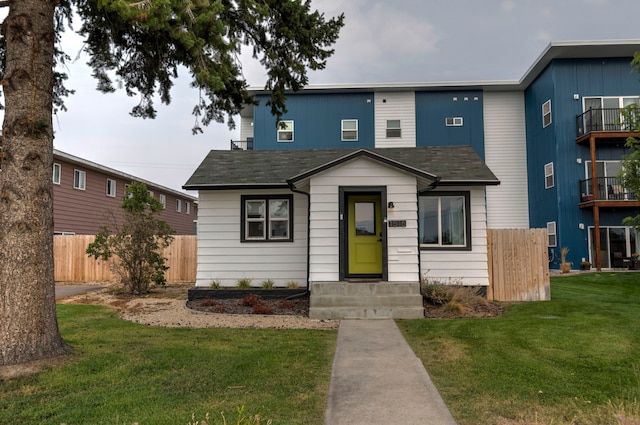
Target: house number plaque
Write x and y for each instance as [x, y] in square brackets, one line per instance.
[397, 223]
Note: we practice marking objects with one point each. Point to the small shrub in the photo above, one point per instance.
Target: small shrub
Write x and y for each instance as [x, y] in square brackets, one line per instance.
[208, 302]
[285, 303]
[262, 308]
[215, 284]
[244, 283]
[292, 284]
[268, 284]
[251, 300]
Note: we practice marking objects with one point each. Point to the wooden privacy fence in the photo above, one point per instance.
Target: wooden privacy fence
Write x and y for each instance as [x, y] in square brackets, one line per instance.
[72, 264]
[518, 265]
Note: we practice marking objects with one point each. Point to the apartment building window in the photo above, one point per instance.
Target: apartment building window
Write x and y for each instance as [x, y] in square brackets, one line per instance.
[549, 180]
[178, 205]
[551, 234]
[79, 179]
[187, 208]
[163, 200]
[444, 220]
[546, 113]
[57, 173]
[453, 122]
[111, 188]
[394, 129]
[266, 218]
[285, 131]
[349, 130]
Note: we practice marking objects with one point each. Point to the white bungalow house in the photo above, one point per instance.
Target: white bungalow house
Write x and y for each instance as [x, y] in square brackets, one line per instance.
[357, 227]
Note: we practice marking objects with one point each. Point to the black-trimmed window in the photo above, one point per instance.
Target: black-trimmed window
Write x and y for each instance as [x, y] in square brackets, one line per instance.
[266, 218]
[445, 220]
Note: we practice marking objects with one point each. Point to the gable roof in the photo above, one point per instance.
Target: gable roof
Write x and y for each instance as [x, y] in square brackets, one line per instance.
[241, 169]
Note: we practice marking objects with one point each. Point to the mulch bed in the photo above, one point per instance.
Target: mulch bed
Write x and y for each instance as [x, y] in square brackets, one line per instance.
[256, 305]
[300, 307]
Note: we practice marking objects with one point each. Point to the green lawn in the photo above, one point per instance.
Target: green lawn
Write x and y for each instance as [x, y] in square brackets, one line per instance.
[575, 359]
[123, 373]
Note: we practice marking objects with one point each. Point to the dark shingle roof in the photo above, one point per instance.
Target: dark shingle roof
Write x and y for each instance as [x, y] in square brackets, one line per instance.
[451, 165]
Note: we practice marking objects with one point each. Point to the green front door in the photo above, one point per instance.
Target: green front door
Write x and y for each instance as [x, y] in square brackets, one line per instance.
[364, 235]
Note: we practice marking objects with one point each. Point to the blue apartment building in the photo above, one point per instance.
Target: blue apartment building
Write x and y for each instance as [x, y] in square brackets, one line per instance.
[554, 140]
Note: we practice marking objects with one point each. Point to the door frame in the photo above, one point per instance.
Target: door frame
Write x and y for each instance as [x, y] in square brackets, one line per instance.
[344, 193]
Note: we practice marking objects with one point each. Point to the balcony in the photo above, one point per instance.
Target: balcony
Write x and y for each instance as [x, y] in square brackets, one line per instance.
[244, 145]
[609, 193]
[609, 121]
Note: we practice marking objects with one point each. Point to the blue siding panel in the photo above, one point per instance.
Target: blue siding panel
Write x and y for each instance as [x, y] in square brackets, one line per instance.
[432, 108]
[317, 121]
[557, 143]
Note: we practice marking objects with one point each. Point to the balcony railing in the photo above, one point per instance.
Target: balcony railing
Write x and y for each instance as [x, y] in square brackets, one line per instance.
[607, 119]
[608, 189]
[245, 145]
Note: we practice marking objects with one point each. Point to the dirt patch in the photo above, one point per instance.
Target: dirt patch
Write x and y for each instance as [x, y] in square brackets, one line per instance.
[168, 307]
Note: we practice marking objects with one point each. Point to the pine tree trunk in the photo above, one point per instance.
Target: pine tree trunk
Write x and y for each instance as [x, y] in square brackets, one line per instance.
[28, 324]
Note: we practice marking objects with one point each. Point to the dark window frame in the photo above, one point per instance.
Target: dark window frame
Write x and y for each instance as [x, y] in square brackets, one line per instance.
[266, 198]
[467, 217]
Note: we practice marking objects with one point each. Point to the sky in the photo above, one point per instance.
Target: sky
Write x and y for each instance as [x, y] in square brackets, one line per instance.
[405, 41]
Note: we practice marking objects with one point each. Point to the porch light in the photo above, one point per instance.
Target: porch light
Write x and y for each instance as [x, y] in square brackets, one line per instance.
[390, 205]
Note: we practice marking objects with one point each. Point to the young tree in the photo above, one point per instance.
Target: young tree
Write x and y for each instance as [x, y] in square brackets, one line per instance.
[137, 242]
[629, 174]
[142, 44]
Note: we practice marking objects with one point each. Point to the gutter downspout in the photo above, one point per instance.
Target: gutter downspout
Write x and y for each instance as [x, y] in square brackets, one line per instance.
[308, 195]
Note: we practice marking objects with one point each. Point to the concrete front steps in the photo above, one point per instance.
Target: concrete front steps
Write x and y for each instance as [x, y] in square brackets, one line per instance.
[365, 300]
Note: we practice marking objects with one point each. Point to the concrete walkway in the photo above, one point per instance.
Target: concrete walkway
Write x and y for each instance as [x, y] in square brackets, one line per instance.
[377, 379]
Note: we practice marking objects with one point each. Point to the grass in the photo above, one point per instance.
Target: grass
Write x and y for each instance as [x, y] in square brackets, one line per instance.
[123, 373]
[572, 360]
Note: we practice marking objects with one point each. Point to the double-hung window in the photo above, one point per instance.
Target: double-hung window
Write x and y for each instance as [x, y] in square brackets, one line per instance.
[546, 113]
[445, 221]
[549, 180]
[394, 128]
[57, 173]
[285, 131]
[349, 130]
[178, 205]
[163, 200]
[79, 179]
[111, 188]
[267, 218]
[551, 234]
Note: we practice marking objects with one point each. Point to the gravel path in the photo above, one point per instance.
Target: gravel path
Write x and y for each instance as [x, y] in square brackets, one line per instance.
[171, 312]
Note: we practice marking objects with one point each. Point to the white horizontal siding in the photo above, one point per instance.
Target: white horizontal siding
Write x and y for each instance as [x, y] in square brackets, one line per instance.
[325, 224]
[246, 127]
[506, 156]
[462, 267]
[395, 106]
[221, 255]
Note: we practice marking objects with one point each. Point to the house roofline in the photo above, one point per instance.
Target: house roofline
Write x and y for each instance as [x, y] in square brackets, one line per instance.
[367, 153]
[95, 166]
[236, 186]
[585, 49]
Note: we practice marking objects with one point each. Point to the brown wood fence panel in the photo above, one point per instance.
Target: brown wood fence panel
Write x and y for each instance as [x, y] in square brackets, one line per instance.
[71, 263]
[518, 265]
